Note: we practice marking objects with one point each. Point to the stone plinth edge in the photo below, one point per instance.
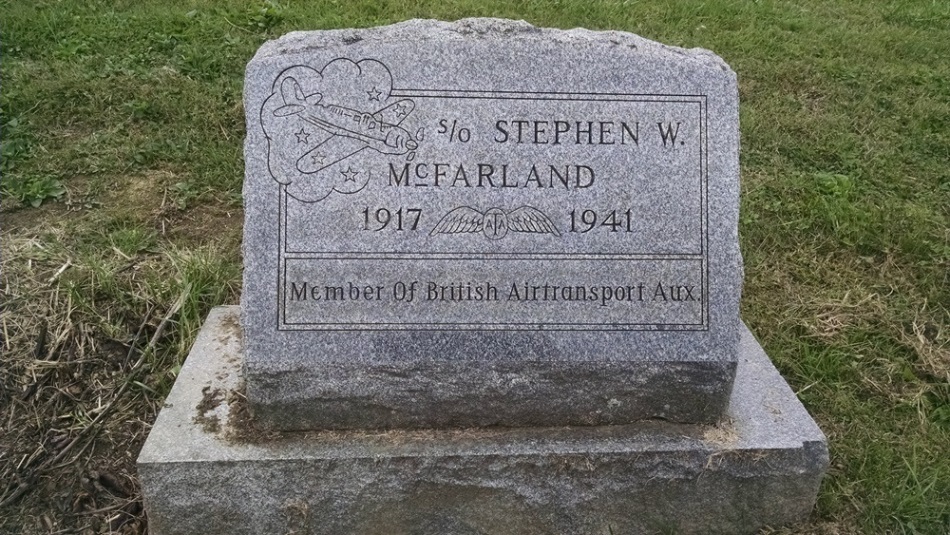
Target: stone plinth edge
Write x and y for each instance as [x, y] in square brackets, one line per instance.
[761, 466]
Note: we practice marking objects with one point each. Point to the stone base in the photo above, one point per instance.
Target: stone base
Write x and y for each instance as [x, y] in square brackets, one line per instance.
[202, 472]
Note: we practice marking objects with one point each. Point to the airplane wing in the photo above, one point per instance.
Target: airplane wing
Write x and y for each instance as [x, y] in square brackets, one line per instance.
[333, 149]
[395, 112]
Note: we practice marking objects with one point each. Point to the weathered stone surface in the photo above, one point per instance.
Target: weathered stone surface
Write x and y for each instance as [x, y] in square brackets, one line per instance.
[762, 466]
[487, 223]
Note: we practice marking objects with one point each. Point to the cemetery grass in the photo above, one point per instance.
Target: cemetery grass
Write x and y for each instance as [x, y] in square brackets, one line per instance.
[121, 220]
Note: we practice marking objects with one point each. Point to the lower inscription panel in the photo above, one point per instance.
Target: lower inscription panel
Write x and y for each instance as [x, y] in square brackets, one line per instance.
[494, 294]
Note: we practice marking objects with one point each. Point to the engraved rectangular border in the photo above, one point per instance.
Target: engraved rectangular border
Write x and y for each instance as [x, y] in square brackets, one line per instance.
[702, 256]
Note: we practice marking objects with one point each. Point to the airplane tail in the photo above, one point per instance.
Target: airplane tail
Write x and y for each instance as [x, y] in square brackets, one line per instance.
[294, 99]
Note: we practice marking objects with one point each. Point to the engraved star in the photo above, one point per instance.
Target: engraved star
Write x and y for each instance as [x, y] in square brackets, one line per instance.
[374, 94]
[303, 136]
[400, 111]
[318, 158]
[349, 175]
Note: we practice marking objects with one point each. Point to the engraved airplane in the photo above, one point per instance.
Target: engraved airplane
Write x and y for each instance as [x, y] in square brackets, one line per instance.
[349, 131]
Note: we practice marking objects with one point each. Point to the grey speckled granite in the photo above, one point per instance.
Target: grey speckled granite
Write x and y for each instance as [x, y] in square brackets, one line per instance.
[486, 223]
[761, 467]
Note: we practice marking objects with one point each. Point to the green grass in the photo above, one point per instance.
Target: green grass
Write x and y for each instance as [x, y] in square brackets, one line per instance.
[121, 154]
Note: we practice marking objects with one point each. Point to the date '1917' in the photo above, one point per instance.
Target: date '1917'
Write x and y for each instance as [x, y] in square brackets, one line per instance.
[382, 218]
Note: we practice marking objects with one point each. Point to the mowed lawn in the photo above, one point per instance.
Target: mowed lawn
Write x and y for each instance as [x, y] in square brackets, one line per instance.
[122, 126]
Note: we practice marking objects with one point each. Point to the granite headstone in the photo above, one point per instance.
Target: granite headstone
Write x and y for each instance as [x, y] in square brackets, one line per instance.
[474, 224]
[525, 233]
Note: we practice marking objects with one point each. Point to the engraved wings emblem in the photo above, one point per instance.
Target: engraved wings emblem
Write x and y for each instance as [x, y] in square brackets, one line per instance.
[495, 223]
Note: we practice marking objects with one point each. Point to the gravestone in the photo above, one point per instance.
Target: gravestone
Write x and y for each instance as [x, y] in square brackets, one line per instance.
[491, 286]
[448, 229]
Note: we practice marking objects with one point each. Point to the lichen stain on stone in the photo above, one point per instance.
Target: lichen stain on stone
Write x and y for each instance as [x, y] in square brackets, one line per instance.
[297, 514]
[211, 398]
[230, 329]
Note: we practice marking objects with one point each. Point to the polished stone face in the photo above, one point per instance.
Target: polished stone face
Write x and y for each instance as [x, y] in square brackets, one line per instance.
[487, 223]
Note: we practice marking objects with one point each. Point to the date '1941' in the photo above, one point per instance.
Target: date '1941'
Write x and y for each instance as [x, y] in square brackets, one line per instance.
[588, 220]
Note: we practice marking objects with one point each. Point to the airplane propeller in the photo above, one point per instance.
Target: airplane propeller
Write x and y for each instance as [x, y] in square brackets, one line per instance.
[412, 145]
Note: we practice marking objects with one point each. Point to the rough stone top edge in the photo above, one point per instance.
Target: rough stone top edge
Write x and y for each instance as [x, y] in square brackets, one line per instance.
[482, 28]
